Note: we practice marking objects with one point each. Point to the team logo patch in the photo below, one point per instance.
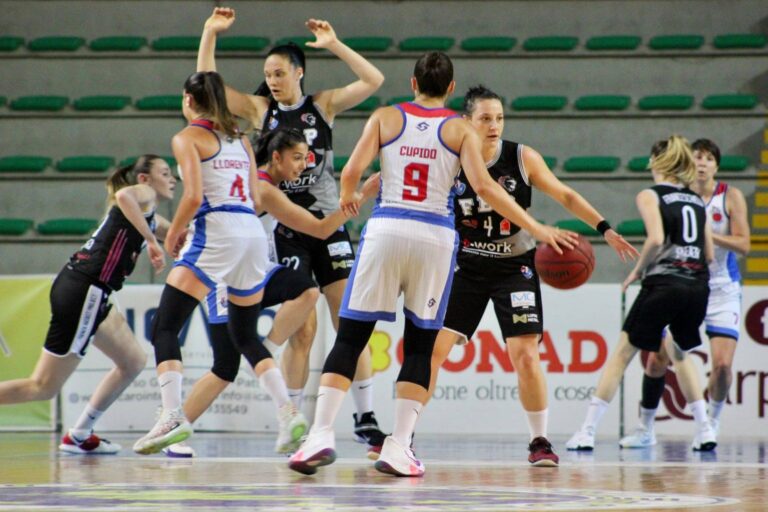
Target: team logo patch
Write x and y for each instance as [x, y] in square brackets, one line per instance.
[508, 182]
[422, 126]
[526, 271]
[460, 186]
[340, 249]
[335, 265]
[308, 119]
[532, 318]
[523, 299]
[505, 227]
[431, 303]
[717, 215]
[273, 122]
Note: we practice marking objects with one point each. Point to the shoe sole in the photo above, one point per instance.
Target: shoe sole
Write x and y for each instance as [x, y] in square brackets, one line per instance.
[309, 466]
[580, 449]
[177, 455]
[372, 453]
[636, 446]
[384, 467]
[545, 463]
[163, 442]
[706, 447]
[65, 448]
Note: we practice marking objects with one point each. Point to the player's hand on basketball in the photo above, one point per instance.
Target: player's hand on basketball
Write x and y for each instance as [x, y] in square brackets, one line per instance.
[556, 237]
[370, 187]
[623, 248]
[631, 278]
[156, 255]
[324, 34]
[221, 19]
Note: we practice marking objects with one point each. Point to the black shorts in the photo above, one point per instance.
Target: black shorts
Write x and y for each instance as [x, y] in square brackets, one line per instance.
[77, 309]
[330, 260]
[284, 285]
[681, 306]
[516, 301]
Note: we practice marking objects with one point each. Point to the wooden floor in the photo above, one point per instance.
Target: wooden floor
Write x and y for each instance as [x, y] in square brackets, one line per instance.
[239, 472]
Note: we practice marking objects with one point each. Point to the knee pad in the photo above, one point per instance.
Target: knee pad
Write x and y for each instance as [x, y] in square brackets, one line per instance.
[351, 339]
[226, 358]
[242, 329]
[418, 344]
[173, 312]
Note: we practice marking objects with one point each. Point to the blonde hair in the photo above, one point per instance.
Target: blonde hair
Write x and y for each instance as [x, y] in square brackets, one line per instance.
[673, 159]
[128, 175]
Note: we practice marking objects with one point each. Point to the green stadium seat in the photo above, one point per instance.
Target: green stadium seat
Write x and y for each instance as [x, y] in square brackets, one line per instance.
[666, 102]
[676, 42]
[15, 226]
[425, 44]
[739, 41]
[176, 44]
[539, 103]
[241, 43]
[734, 163]
[456, 103]
[67, 226]
[638, 163]
[3, 100]
[592, 164]
[399, 99]
[56, 44]
[131, 159]
[368, 44]
[49, 103]
[368, 104]
[551, 161]
[101, 103]
[161, 102]
[602, 102]
[300, 41]
[118, 44]
[24, 163]
[602, 43]
[339, 162]
[730, 102]
[577, 226]
[85, 163]
[631, 227]
[488, 44]
[10, 43]
[550, 44]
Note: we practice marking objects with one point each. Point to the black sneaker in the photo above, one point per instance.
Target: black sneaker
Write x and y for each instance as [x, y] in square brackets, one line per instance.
[367, 431]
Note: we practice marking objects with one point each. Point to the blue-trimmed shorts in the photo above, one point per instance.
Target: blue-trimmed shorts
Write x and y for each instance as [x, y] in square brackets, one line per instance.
[408, 256]
[724, 312]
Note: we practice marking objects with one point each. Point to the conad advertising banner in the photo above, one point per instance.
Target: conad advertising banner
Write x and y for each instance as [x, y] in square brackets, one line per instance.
[24, 315]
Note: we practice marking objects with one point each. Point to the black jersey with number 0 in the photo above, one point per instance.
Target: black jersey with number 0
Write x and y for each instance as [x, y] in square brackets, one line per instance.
[109, 256]
[489, 241]
[684, 216]
[315, 189]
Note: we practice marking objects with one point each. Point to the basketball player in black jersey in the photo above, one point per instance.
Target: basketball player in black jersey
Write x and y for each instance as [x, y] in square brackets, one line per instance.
[330, 260]
[674, 274]
[496, 261]
[80, 301]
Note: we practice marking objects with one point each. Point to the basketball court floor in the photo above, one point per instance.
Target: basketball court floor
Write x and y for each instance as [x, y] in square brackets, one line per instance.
[474, 473]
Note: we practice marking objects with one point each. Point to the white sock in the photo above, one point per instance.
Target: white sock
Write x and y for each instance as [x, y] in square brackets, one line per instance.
[647, 417]
[297, 397]
[362, 394]
[406, 414]
[715, 408]
[595, 411]
[84, 424]
[270, 345]
[699, 411]
[329, 402]
[170, 389]
[272, 380]
[537, 423]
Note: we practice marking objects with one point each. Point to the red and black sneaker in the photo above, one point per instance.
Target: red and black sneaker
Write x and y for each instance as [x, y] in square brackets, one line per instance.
[91, 444]
[542, 454]
[367, 431]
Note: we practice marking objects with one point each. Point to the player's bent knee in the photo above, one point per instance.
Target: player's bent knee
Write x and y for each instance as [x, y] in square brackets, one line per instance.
[417, 369]
[226, 371]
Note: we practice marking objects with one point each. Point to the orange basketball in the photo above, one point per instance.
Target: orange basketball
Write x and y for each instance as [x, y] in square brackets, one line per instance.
[567, 270]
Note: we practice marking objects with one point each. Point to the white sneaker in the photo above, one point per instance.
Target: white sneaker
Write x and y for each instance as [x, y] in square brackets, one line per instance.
[398, 460]
[641, 438]
[91, 444]
[180, 451]
[319, 449]
[293, 426]
[705, 439]
[582, 440]
[172, 427]
[715, 423]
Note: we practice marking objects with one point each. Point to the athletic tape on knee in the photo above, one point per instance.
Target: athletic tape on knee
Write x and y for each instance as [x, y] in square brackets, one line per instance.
[226, 358]
[173, 312]
[351, 339]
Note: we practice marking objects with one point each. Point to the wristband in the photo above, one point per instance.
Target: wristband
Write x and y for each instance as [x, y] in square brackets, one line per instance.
[603, 226]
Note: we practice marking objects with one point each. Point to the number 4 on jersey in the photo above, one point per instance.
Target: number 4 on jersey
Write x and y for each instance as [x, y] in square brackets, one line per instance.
[237, 189]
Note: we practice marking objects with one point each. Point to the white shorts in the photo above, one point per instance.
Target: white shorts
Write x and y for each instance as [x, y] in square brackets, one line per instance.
[396, 256]
[724, 312]
[229, 248]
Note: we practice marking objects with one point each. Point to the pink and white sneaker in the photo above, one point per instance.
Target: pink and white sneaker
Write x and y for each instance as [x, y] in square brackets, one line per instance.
[318, 450]
[93, 444]
[398, 460]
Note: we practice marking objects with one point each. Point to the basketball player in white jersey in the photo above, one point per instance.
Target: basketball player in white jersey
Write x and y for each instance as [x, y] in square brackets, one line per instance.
[408, 246]
[727, 214]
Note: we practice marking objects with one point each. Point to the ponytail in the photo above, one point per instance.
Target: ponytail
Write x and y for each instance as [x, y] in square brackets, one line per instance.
[277, 140]
[128, 175]
[673, 158]
[207, 88]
